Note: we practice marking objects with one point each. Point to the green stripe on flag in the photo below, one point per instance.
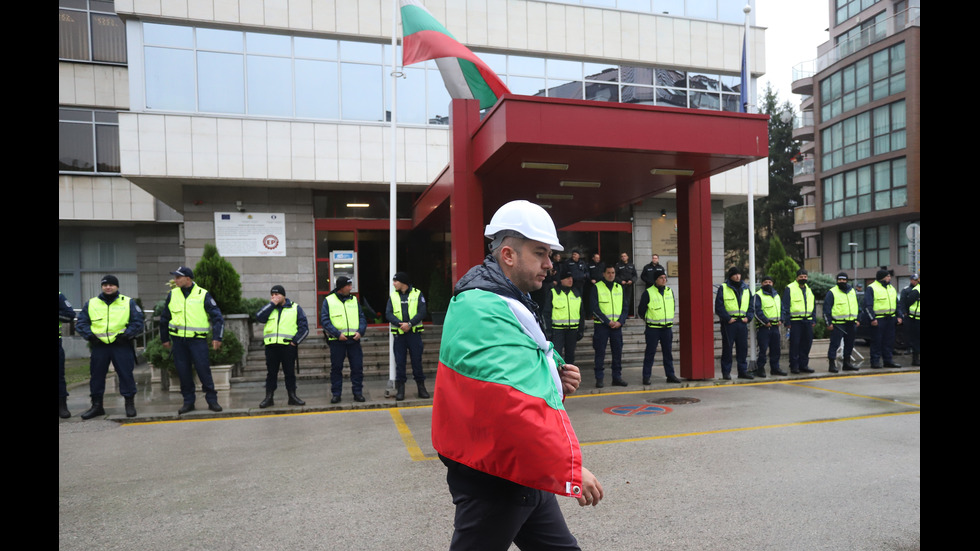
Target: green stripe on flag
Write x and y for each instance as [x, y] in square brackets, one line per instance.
[496, 349]
[415, 19]
[477, 84]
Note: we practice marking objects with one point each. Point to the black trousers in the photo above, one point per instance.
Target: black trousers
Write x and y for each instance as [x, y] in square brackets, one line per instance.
[276, 355]
[565, 341]
[492, 512]
[842, 331]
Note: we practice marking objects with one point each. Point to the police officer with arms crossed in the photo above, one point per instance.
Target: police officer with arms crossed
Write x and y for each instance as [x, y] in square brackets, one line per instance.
[657, 310]
[767, 306]
[508, 450]
[800, 314]
[733, 306]
[881, 304]
[285, 327]
[405, 311]
[343, 322]
[564, 317]
[840, 311]
[188, 312]
[110, 322]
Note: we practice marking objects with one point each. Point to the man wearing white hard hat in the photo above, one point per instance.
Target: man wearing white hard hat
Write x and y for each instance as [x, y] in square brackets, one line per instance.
[498, 420]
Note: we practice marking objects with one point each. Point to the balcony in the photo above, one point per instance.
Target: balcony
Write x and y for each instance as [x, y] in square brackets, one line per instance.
[803, 77]
[803, 172]
[805, 218]
[803, 127]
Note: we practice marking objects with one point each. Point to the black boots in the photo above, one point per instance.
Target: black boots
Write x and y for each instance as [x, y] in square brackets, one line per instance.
[399, 390]
[915, 358]
[294, 399]
[423, 393]
[268, 399]
[130, 406]
[63, 408]
[833, 365]
[95, 410]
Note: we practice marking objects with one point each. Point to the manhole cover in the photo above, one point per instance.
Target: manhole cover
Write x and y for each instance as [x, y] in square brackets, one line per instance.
[675, 400]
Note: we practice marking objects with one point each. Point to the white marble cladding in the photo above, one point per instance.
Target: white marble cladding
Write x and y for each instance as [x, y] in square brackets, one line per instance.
[532, 27]
[103, 198]
[211, 147]
[103, 86]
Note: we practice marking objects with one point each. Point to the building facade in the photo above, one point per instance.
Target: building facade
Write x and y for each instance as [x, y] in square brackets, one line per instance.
[254, 107]
[859, 170]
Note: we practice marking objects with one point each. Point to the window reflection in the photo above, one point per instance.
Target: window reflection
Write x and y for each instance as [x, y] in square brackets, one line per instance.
[221, 71]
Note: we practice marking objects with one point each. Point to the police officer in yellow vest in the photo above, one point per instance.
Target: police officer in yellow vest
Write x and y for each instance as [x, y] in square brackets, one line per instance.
[110, 322]
[188, 313]
[405, 311]
[910, 306]
[767, 307]
[881, 304]
[840, 311]
[609, 309]
[343, 323]
[564, 317]
[733, 305]
[657, 310]
[285, 327]
[800, 314]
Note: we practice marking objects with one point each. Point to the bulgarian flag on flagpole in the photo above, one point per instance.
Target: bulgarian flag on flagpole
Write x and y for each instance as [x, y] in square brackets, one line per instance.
[465, 75]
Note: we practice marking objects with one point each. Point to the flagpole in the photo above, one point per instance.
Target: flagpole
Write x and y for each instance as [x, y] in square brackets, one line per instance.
[749, 108]
[392, 195]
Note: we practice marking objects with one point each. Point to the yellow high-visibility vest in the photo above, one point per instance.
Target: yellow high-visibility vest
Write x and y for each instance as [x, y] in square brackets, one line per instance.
[800, 303]
[914, 308]
[187, 315]
[281, 326]
[566, 309]
[845, 306]
[344, 315]
[610, 300]
[885, 300]
[108, 320]
[413, 309]
[733, 307]
[660, 308]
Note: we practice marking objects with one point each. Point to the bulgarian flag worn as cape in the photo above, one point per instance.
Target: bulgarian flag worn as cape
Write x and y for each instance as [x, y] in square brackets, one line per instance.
[465, 75]
[498, 399]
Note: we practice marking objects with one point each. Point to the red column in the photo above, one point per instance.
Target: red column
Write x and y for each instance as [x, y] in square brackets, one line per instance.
[466, 200]
[697, 359]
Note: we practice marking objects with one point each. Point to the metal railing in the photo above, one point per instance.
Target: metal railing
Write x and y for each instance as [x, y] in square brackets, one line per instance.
[803, 168]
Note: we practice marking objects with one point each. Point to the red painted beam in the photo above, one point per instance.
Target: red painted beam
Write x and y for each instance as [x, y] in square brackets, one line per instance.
[697, 300]
[466, 201]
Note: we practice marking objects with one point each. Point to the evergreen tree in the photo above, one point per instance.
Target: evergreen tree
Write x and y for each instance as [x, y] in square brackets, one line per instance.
[214, 273]
[773, 213]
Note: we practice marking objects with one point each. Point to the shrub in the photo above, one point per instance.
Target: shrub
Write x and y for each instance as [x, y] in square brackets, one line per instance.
[214, 273]
[230, 353]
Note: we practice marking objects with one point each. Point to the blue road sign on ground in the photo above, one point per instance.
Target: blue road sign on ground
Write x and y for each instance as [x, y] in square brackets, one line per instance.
[643, 409]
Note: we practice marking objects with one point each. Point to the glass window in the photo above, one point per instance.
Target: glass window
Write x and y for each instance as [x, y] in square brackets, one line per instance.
[170, 79]
[317, 89]
[362, 52]
[91, 32]
[561, 69]
[601, 92]
[270, 90]
[411, 96]
[168, 36]
[315, 48]
[526, 86]
[220, 83]
[88, 141]
[438, 98]
[220, 40]
[269, 44]
[359, 102]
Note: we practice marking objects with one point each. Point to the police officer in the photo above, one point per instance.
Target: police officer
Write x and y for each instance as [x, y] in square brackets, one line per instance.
[903, 304]
[911, 308]
[110, 322]
[564, 318]
[657, 310]
[66, 314]
[285, 327]
[405, 311]
[733, 305]
[187, 314]
[767, 307]
[343, 322]
[609, 312]
[579, 269]
[595, 267]
[649, 273]
[840, 311]
[625, 276]
[799, 313]
[881, 304]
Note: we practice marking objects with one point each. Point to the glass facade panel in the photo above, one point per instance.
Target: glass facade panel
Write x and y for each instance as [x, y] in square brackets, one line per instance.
[220, 40]
[269, 86]
[317, 90]
[170, 79]
[220, 83]
[358, 102]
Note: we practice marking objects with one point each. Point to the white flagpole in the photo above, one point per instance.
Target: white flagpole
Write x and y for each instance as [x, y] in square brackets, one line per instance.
[392, 195]
[750, 108]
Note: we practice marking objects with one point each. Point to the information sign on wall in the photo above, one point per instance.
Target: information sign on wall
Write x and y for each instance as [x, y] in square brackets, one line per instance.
[250, 233]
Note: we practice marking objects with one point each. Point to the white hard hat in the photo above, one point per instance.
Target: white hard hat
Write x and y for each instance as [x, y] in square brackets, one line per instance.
[528, 219]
